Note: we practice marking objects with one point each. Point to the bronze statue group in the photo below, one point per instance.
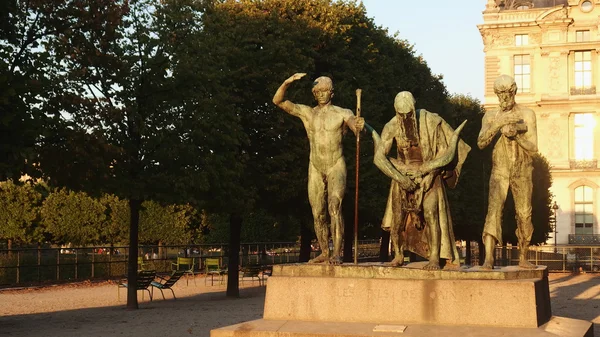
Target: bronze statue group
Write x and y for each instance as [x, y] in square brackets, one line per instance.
[429, 159]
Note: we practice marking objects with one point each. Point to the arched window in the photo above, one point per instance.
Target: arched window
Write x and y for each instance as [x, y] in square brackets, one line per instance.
[584, 214]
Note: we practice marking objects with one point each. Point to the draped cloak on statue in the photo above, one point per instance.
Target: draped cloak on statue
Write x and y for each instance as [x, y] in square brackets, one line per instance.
[434, 136]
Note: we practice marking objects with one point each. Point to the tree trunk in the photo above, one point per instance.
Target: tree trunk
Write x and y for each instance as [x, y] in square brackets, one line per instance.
[9, 244]
[384, 248]
[305, 242]
[468, 260]
[235, 232]
[134, 206]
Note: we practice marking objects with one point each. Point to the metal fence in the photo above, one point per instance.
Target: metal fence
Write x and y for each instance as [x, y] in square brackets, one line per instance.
[20, 267]
[28, 266]
[568, 258]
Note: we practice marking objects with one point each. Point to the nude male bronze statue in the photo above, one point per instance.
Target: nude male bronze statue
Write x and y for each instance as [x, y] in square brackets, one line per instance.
[324, 126]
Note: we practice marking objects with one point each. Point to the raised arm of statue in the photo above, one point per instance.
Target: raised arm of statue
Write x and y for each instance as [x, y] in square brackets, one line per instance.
[383, 146]
[287, 106]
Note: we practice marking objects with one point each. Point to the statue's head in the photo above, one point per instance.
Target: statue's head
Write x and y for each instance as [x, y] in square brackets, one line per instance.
[505, 88]
[404, 104]
[323, 90]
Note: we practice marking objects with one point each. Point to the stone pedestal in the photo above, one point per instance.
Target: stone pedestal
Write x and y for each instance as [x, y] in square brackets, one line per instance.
[375, 300]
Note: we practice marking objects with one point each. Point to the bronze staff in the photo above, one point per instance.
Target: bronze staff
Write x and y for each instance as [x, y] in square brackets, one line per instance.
[358, 92]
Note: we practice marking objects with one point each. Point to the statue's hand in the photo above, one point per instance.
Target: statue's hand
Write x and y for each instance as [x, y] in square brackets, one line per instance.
[408, 185]
[427, 182]
[509, 131]
[295, 77]
[509, 118]
[359, 124]
[415, 173]
[521, 127]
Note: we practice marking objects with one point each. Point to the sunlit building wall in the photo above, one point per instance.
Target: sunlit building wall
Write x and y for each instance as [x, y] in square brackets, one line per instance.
[552, 49]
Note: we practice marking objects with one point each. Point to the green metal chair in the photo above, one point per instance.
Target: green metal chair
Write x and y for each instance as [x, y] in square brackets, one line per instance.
[212, 267]
[186, 264]
[142, 265]
[144, 278]
[167, 283]
[252, 271]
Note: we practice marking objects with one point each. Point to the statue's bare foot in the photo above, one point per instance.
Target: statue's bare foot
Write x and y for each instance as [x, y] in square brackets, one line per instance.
[397, 262]
[335, 260]
[432, 265]
[526, 265]
[487, 265]
[452, 266]
[320, 259]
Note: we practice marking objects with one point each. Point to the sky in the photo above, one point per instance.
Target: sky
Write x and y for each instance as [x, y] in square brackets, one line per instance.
[444, 32]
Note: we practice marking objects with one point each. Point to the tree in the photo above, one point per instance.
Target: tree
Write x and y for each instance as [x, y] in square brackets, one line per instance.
[468, 200]
[20, 213]
[271, 40]
[73, 217]
[25, 79]
[115, 228]
[145, 120]
[165, 224]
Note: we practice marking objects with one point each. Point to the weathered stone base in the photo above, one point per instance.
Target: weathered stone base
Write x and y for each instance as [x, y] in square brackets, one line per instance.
[557, 326]
[375, 300]
[370, 293]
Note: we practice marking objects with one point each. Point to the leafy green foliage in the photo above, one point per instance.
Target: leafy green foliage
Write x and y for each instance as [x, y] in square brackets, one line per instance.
[20, 213]
[34, 86]
[468, 199]
[73, 217]
[165, 224]
[138, 119]
[263, 42]
[115, 229]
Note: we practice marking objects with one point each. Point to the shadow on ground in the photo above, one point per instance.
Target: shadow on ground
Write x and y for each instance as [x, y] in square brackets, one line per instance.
[187, 316]
[577, 296]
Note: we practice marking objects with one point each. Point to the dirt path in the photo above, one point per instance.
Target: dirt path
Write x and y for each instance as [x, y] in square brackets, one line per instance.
[93, 309]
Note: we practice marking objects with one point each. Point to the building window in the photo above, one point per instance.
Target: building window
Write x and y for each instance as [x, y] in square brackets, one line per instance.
[521, 40]
[583, 133]
[584, 214]
[522, 73]
[583, 69]
[582, 36]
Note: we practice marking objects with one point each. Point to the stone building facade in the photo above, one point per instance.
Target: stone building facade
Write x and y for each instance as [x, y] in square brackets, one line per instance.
[552, 49]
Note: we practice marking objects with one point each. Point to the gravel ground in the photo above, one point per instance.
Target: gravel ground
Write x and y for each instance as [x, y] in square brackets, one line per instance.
[92, 309]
